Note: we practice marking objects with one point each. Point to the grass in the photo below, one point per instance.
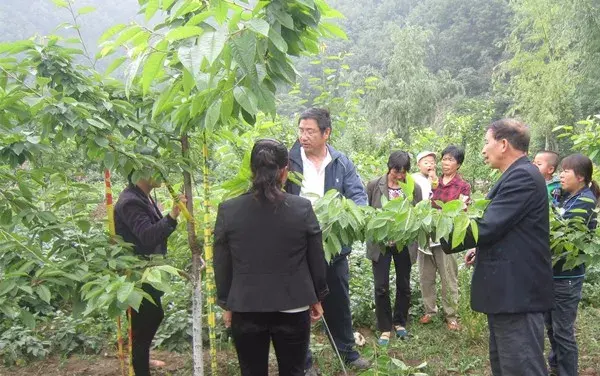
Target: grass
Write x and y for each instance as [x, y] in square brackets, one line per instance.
[444, 352]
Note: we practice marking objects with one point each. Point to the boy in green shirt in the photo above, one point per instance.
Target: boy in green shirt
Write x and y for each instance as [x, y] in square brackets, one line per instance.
[547, 162]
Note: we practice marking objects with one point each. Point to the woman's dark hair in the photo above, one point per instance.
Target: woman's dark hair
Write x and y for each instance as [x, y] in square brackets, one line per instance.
[457, 153]
[320, 115]
[582, 166]
[266, 161]
[514, 131]
[399, 160]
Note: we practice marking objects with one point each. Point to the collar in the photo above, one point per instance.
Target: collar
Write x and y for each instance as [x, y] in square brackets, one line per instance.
[455, 180]
[520, 161]
[325, 162]
[296, 153]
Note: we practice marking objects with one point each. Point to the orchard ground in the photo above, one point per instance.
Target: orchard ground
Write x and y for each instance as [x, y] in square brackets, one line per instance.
[446, 353]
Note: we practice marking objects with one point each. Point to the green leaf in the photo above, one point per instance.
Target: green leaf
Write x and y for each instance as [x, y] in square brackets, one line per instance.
[84, 226]
[475, 230]
[44, 293]
[211, 44]
[183, 32]
[243, 49]
[151, 8]
[85, 10]
[333, 30]
[246, 99]
[152, 67]
[259, 26]
[25, 190]
[124, 291]
[190, 58]
[61, 3]
[101, 141]
[212, 114]
[278, 41]
[110, 32]
[28, 319]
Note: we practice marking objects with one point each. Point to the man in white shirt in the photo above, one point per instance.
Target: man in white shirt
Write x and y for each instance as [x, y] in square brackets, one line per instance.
[325, 168]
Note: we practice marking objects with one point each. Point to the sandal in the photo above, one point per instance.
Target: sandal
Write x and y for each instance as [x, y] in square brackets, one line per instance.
[157, 363]
[453, 325]
[384, 339]
[401, 332]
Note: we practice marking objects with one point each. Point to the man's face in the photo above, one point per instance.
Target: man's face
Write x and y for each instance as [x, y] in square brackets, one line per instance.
[310, 136]
[426, 164]
[492, 150]
[543, 164]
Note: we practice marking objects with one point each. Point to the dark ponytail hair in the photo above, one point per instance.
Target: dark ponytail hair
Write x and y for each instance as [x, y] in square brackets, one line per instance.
[266, 161]
[582, 166]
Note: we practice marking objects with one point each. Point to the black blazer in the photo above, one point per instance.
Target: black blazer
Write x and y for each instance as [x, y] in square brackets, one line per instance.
[139, 221]
[268, 259]
[513, 268]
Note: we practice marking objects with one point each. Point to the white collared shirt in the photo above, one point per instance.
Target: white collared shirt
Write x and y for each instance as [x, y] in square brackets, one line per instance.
[313, 186]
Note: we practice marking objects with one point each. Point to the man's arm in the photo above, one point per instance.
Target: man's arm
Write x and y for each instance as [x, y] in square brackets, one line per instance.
[353, 186]
[222, 260]
[508, 207]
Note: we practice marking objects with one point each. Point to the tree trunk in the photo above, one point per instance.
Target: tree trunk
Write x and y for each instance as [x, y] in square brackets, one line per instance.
[196, 268]
[208, 255]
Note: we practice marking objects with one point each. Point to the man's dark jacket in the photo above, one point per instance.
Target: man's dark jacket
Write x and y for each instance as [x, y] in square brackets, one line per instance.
[513, 267]
[340, 174]
[139, 221]
[267, 258]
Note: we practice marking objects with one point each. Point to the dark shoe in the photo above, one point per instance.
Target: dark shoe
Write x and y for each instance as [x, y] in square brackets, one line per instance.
[360, 364]
[312, 371]
[401, 332]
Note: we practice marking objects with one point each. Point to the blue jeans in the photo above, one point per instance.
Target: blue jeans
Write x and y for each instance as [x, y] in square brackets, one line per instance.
[560, 325]
[336, 310]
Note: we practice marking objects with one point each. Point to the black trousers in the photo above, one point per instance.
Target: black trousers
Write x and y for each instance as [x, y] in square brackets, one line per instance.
[144, 325]
[517, 344]
[336, 310]
[252, 333]
[381, 276]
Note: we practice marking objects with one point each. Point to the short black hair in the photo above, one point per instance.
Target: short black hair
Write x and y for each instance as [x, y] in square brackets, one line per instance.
[320, 115]
[554, 157]
[514, 131]
[399, 160]
[456, 152]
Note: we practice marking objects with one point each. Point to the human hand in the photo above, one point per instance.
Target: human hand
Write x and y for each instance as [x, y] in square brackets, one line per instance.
[316, 312]
[470, 257]
[176, 210]
[433, 179]
[227, 319]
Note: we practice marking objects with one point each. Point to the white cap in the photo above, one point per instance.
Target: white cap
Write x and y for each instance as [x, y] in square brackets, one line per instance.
[424, 154]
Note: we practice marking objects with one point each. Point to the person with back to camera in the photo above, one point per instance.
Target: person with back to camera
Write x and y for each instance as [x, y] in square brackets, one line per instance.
[270, 267]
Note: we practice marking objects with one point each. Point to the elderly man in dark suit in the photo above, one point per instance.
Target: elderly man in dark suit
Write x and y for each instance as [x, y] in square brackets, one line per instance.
[512, 281]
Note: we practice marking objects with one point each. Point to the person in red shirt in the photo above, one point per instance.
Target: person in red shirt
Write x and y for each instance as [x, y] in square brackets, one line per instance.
[450, 187]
